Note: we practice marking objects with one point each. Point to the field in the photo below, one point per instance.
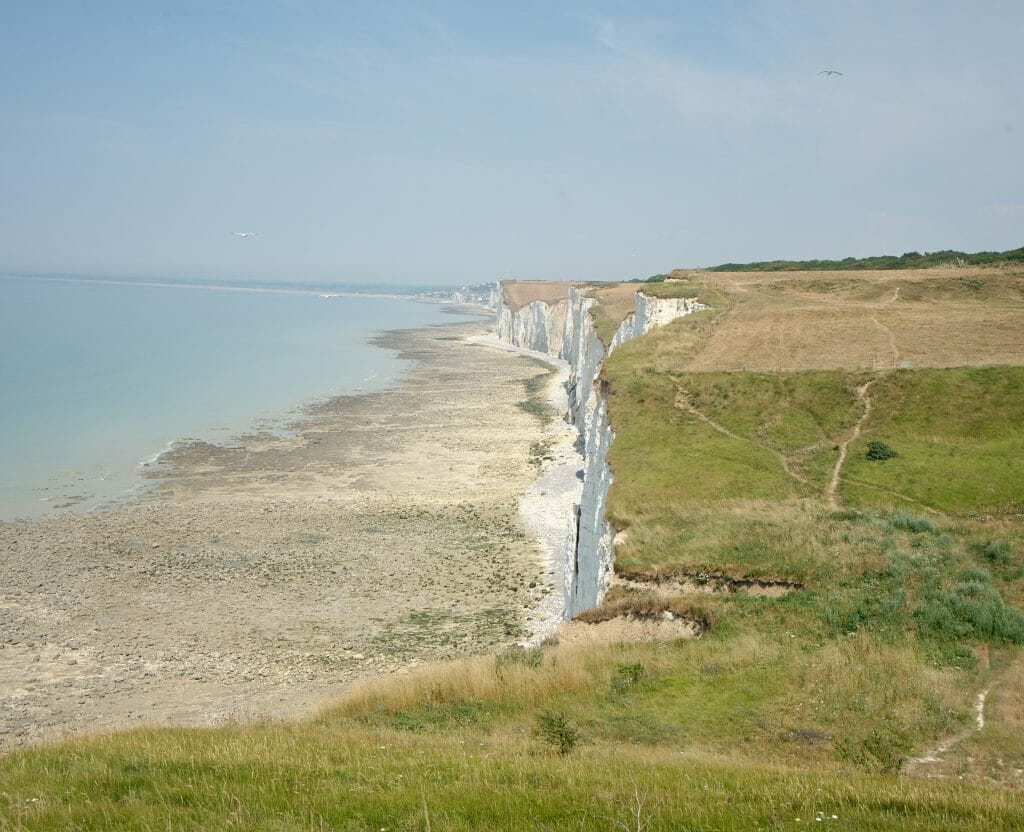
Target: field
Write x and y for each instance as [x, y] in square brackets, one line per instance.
[824, 475]
[875, 320]
[518, 293]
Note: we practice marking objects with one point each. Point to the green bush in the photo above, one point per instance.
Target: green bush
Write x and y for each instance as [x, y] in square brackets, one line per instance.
[996, 551]
[879, 451]
[970, 609]
[881, 751]
[627, 676]
[553, 728]
[529, 657]
[910, 523]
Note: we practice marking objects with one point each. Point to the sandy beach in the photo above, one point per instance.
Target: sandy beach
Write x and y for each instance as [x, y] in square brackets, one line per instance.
[258, 579]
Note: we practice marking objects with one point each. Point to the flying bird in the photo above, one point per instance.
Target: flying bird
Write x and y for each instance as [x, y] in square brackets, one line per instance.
[828, 72]
[244, 233]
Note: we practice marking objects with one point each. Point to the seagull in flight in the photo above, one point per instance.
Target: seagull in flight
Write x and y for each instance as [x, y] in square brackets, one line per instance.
[244, 233]
[829, 72]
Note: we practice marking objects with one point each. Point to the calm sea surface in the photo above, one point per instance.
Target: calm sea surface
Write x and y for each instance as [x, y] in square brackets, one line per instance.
[96, 378]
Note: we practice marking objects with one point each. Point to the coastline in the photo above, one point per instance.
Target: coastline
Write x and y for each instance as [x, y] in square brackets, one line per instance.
[546, 508]
[101, 378]
[254, 580]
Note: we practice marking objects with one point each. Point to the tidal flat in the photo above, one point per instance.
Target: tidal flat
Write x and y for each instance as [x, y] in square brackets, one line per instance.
[260, 577]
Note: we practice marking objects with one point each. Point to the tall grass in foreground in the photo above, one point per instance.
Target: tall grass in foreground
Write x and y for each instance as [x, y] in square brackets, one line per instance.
[337, 777]
[519, 678]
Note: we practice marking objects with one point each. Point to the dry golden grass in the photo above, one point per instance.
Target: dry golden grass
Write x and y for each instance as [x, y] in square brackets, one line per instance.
[508, 678]
[875, 320]
[941, 317]
[518, 293]
[620, 602]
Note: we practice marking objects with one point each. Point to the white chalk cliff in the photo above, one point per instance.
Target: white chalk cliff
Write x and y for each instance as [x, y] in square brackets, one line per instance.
[564, 329]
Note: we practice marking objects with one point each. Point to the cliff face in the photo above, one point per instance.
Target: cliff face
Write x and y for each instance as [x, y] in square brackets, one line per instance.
[564, 329]
[536, 326]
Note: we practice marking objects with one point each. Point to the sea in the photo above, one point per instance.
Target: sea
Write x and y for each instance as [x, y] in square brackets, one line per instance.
[99, 377]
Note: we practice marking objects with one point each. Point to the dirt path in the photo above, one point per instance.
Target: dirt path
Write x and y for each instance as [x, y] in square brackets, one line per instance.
[265, 576]
[844, 447]
[936, 754]
[684, 403]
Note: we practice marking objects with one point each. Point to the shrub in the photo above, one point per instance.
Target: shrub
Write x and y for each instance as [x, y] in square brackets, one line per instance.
[879, 451]
[631, 673]
[527, 657]
[627, 676]
[848, 515]
[553, 728]
[970, 609]
[910, 523]
[878, 609]
[996, 551]
[976, 574]
[881, 751]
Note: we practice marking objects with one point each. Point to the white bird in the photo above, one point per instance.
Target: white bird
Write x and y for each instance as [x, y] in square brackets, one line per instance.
[244, 233]
[830, 72]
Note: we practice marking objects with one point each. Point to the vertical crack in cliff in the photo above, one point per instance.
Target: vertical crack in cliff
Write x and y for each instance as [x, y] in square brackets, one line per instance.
[564, 328]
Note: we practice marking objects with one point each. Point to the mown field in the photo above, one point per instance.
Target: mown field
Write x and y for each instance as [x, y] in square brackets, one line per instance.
[852, 622]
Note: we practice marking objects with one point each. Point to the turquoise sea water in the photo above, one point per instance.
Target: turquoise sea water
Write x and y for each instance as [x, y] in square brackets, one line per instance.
[96, 378]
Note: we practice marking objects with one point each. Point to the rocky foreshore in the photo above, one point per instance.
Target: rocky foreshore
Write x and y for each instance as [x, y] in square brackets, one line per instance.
[261, 577]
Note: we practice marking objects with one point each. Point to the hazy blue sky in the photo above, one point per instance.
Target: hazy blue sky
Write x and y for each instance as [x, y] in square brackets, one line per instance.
[460, 141]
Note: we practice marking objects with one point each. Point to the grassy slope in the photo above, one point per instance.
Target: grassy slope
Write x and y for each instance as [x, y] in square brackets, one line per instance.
[960, 434]
[898, 607]
[789, 706]
[346, 778]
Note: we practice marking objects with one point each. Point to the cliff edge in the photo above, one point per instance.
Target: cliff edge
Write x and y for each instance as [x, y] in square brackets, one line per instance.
[556, 319]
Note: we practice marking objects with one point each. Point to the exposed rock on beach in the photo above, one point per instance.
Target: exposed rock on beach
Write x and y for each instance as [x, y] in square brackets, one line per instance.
[258, 578]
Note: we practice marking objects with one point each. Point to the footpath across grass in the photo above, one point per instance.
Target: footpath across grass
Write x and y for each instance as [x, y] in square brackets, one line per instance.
[910, 594]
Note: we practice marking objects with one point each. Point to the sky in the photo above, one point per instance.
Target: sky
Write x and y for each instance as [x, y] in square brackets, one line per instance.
[458, 142]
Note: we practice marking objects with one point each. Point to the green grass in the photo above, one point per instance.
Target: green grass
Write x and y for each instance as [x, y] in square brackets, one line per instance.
[690, 287]
[317, 776]
[959, 434]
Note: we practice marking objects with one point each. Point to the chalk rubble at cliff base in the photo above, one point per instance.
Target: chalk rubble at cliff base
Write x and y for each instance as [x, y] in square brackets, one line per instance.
[564, 328]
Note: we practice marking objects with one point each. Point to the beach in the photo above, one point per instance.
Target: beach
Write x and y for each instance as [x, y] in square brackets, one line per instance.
[258, 578]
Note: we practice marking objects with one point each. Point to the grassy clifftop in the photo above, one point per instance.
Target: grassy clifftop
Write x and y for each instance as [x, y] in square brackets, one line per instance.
[860, 616]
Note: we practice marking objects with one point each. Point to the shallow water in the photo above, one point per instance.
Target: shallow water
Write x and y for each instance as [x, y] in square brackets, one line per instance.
[96, 378]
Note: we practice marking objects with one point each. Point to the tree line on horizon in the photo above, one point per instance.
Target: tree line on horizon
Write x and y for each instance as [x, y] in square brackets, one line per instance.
[907, 260]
